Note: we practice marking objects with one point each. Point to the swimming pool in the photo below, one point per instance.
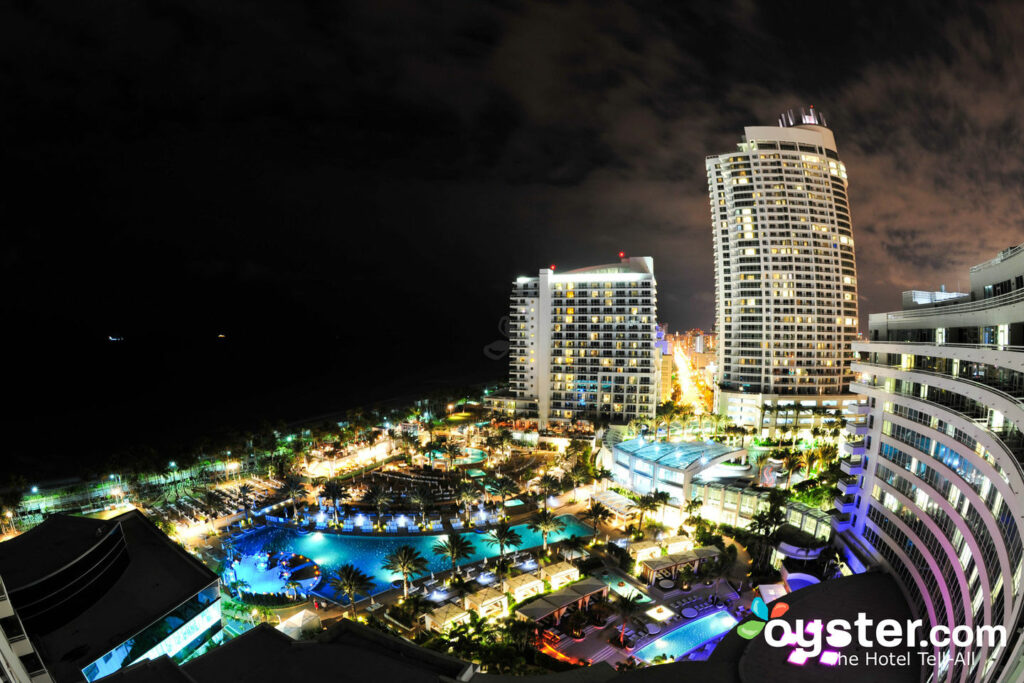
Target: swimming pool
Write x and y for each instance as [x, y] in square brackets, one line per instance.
[689, 636]
[626, 589]
[471, 457]
[330, 551]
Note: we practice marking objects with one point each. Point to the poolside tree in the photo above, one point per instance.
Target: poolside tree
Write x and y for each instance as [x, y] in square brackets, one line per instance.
[245, 492]
[546, 523]
[421, 496]
[503, 536]
[451, 451]
[292, 588]
[351, 581]
[456, 547]
[548, 484]
[467, 493]
[405, 560]
[505, 488]
[596, 514]
[292, 487]
[626, 607]
[380, 500]
[334, 490]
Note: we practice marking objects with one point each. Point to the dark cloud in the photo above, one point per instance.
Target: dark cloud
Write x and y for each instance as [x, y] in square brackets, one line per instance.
[183, 166]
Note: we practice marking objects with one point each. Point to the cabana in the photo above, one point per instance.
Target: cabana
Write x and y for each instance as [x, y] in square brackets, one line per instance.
[677, 544]
[301, 624]
[487, 602]
[445, 617]
[643, 550]
[524, 586]
[669, 566]
[560, 574]
[622, 508]
[555, 604]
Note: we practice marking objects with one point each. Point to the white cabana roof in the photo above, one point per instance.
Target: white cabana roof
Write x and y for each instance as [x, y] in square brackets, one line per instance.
[551, 603]
[446, 614]
[616, 502]
[771, 591]
[559, 568]
[300, 623]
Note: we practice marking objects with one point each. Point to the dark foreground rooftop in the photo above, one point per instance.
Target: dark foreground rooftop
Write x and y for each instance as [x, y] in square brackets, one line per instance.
[158, 576]
[353, 652]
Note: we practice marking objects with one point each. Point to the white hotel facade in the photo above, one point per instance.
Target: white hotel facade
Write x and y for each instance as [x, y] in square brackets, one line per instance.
[785, 275]
[582, 345]
[936, 488]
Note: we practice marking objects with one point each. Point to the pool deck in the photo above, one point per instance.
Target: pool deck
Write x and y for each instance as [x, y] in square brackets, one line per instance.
[595, 645]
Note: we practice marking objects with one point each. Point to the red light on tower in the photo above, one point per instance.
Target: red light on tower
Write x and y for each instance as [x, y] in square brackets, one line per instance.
[622, 254]
[552, 266]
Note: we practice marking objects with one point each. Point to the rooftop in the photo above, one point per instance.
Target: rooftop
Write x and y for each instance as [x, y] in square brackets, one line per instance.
[680, 455]
[159, 576]
[52, 545]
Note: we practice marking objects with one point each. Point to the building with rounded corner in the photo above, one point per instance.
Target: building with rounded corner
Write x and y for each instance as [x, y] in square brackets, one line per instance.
[935, 487]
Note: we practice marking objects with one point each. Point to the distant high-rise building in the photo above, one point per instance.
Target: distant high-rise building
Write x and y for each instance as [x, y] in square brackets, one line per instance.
[582, 345]
[785, 274]
[935, 483]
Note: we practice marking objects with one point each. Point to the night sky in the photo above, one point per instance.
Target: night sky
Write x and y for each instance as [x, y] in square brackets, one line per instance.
[346, 189]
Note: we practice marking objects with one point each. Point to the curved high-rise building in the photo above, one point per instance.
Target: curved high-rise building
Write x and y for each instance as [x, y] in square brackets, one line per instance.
[936, 486]
[785, 274]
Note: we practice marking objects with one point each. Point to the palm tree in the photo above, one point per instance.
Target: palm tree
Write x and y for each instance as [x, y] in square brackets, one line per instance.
[421, 497]
[791, 461]
[456, 547]
[661, 498]
[405, 560]
[291, 587]
[645, 504]
[334, 491]
[503, 536]
[596, 514]
[626, 606]
[451, 451]
[351, 581]
[212, 501]
[467, 493]
[546, 523]
[292, 487]
[379, 499]
[505, 488]
[547, 485]
[761, 459]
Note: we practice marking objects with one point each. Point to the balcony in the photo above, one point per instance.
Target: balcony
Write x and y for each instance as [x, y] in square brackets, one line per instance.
[848, 486]
[851, 449]
[844, 503]
[856, 430]
[852, 467]
[841, 521]
[860, 409]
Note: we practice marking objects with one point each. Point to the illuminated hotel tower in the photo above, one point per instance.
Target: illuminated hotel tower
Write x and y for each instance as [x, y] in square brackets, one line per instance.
[582, 345]
[785, 275]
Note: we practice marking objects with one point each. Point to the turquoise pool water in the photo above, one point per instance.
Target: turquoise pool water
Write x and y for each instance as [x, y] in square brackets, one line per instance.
[367, 553]
[515, 502]
[689, 636]
[627, 590]
[473, 456]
